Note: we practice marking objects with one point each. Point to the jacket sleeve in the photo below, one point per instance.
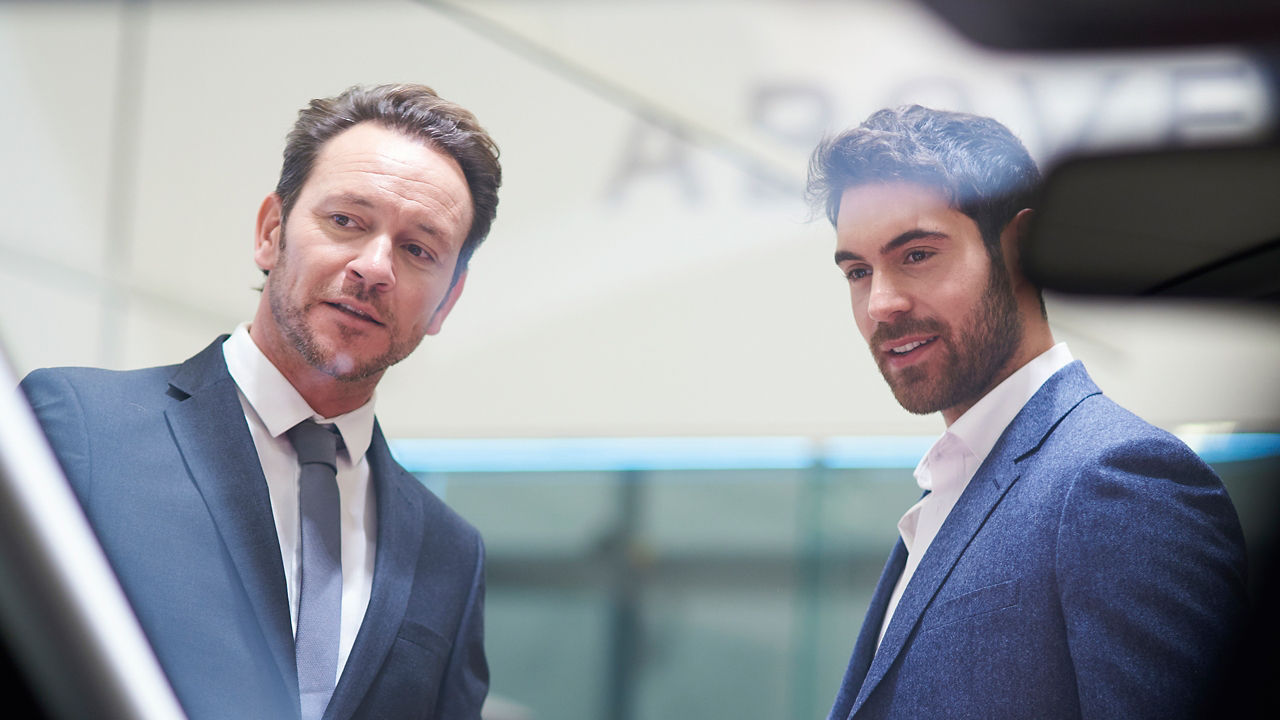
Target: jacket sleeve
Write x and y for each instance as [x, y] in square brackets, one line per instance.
[1150, 567]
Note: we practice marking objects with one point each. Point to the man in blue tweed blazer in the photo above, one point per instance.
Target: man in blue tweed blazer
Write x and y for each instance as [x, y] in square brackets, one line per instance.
[1067, 559]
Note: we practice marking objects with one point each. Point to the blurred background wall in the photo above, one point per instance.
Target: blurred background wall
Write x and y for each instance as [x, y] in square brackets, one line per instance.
[653, 273]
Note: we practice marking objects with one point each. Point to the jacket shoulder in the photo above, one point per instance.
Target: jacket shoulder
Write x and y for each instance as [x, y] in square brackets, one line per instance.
[91, 380]
[1101, 428]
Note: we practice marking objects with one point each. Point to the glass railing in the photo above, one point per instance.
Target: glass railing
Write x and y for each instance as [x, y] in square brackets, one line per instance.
[658, 578]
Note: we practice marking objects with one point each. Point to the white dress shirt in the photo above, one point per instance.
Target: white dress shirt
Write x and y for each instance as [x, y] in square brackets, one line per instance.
[945, 471]
[272, 406]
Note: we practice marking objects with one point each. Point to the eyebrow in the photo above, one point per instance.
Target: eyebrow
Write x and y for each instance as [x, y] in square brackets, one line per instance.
[363, 201]
[895, 243]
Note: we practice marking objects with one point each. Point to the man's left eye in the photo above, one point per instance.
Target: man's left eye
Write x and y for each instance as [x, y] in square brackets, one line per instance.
[417, 251]
[342, 220]
[916, 256]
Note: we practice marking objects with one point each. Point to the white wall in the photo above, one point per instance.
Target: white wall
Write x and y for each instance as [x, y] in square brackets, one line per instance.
[653, 269]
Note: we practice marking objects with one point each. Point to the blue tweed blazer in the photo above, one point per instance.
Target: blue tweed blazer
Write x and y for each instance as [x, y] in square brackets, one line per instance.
[165, 468]
[1094, 567]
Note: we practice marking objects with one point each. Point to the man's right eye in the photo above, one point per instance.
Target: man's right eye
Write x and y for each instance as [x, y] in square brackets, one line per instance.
[857, 273]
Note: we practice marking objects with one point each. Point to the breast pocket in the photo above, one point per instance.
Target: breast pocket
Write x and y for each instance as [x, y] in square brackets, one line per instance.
[982, 601]
[424, 637]
[408, 684]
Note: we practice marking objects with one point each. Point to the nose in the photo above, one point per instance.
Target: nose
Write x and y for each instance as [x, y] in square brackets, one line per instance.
[373, 264]
[886, 299]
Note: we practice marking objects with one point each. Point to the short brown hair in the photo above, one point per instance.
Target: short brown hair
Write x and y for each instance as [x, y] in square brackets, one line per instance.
[418, 112]
[983, 168]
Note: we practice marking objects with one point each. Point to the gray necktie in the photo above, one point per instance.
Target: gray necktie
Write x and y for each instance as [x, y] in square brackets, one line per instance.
[320, 582]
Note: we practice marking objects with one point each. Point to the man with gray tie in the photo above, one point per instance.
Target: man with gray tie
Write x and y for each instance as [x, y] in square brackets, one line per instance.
[280, 561]
[1067, 559]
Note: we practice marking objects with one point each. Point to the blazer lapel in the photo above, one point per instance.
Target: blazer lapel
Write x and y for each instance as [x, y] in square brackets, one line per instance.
[971, 510]
[400, 536]
[1025, 434]
[210, 431]
[865, 648]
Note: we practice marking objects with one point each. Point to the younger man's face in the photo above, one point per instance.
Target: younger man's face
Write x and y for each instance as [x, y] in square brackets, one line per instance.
[939, 317]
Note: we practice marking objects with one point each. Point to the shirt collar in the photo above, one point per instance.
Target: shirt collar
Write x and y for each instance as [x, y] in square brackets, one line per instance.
[946, 466]
[278, 404]
[973, 434]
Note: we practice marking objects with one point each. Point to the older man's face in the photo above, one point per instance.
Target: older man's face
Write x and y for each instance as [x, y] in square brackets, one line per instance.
[362, 269]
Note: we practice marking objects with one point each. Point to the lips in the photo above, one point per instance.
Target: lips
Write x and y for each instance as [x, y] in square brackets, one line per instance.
[906, 341]
[905, 348]
[901, 353]
[357, 310]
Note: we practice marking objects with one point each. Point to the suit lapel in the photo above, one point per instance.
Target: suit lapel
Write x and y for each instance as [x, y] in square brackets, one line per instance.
[400, 535]
[210, 431]
[1021, 439]
[865, 648]
[977, 501]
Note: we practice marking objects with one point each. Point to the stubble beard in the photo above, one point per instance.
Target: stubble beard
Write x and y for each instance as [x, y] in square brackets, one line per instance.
[972, 358]
[336, 363]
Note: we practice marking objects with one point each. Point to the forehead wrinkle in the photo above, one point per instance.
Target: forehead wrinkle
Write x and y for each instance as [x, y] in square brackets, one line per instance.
[401, 169]
[423, 185]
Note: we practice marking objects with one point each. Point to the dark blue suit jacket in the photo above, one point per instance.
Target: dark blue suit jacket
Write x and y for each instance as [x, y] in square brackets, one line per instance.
[1093, 568]
[166, 470]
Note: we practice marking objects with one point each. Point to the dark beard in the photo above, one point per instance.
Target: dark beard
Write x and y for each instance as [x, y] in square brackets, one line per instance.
[973, 358]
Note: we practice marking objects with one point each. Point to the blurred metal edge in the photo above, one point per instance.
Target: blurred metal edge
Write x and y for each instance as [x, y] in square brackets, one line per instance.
[65, 617]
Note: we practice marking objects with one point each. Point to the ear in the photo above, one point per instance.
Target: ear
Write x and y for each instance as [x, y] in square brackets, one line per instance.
[1012, 239]
[267, 236]
[442, 312]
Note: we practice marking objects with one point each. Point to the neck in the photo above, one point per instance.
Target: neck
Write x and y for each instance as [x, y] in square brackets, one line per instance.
[329, 396]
